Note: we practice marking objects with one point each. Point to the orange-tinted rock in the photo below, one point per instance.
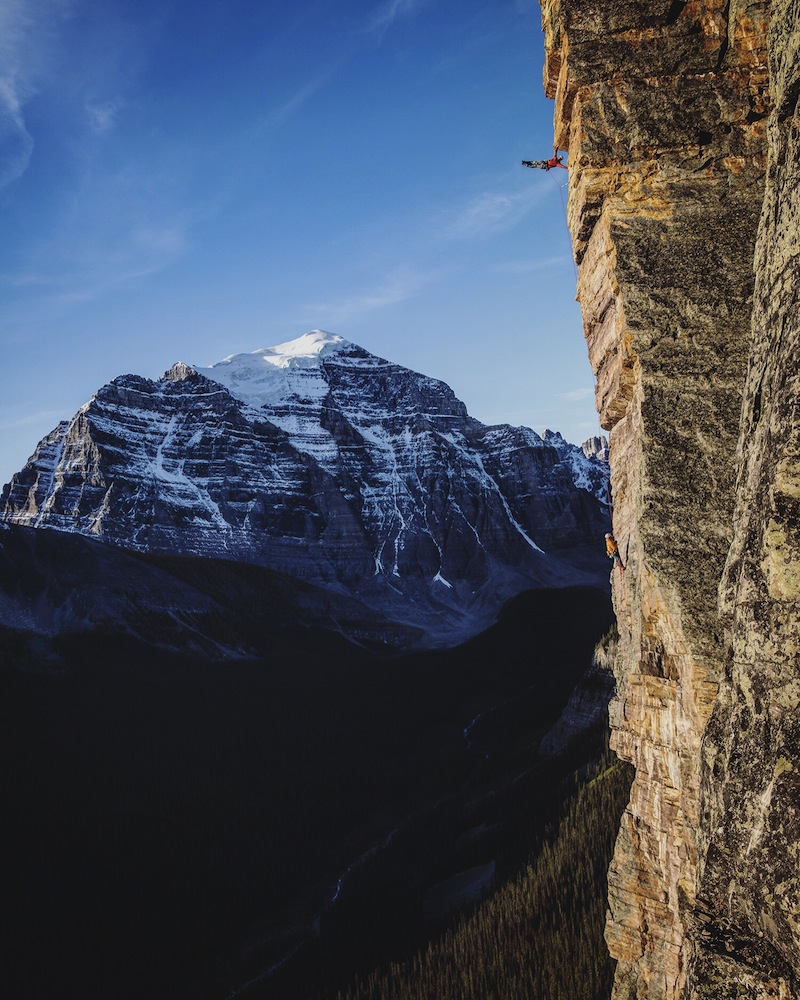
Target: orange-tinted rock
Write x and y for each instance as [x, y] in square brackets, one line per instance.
[667, 110]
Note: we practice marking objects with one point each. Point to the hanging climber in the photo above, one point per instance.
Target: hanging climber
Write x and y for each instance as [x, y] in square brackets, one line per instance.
[612, 551]
[554, 161]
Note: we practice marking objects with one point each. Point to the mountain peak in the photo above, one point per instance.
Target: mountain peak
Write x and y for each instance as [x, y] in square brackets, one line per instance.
[341, 469]
[268, 375]
[310, 345]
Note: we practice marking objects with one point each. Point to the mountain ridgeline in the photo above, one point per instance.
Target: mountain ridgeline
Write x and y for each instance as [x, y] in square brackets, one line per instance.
[293, 667]
[317, 460]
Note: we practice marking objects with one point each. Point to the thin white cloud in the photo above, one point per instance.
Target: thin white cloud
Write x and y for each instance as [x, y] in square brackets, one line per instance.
[102, 116]
[398, 286]
[530, 266]
[22, 279]
[167, 240]
[388, 13]
[26, 28]
[106, 256]
[489, 213]
[38, 417]
[288, 109]
[578, 395]
[16, 142]
[135, 254]
[424, 239]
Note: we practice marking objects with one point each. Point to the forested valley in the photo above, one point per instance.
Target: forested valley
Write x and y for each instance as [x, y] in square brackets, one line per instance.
[300, 826]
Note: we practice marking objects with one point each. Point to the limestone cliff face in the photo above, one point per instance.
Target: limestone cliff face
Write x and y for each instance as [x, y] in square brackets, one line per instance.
[750, 884]
[667, 110]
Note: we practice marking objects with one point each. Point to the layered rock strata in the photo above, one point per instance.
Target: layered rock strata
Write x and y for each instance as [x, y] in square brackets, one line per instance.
[748, 928]
[328, 464]
[665, 110]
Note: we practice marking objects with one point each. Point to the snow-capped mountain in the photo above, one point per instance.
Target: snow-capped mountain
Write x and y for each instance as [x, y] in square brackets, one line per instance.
[320, 460]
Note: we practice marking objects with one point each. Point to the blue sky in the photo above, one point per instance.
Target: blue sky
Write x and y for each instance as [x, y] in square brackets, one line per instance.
[183, 181]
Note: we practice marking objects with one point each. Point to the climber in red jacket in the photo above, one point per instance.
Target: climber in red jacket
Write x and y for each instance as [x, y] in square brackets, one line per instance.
[554, 161]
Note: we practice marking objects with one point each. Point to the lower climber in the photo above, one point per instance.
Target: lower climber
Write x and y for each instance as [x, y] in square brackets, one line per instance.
[612, 551]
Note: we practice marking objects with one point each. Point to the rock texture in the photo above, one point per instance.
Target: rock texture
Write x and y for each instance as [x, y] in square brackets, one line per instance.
[749, 924]
[321, 461]
[586, 712]
[667, 110]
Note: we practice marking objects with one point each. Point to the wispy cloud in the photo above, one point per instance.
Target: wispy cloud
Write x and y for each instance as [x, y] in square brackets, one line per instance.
[120, 228]
[16, 142]
[530, 266]
[414, 251]
[292, 105]
[16, 422]
[140, 254]
[489, 213]
[578, 395]
[26, 38]
[102, 116]
[401, 284]
[388, 13]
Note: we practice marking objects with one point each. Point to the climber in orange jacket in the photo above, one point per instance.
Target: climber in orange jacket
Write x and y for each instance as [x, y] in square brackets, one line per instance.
[612, 551]
[554, 161]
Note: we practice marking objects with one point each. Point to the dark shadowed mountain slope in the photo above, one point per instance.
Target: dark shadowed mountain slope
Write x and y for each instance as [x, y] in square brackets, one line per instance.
[56, 584]
[175, 827]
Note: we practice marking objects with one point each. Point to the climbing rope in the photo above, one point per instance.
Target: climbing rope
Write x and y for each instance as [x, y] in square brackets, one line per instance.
[566, 224]
[556, 160]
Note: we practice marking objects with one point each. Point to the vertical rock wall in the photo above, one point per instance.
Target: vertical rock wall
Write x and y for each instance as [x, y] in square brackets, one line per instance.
[748, 921]
[664, 109]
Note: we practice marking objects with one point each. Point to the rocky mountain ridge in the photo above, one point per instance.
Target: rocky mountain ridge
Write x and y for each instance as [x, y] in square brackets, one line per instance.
[322, 462]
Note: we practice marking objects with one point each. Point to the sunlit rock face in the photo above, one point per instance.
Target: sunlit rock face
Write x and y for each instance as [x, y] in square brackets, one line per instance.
[679, 130]
[322, 461]
[751, 878]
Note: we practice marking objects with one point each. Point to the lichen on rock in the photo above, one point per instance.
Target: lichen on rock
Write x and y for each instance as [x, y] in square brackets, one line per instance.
[681, 124]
